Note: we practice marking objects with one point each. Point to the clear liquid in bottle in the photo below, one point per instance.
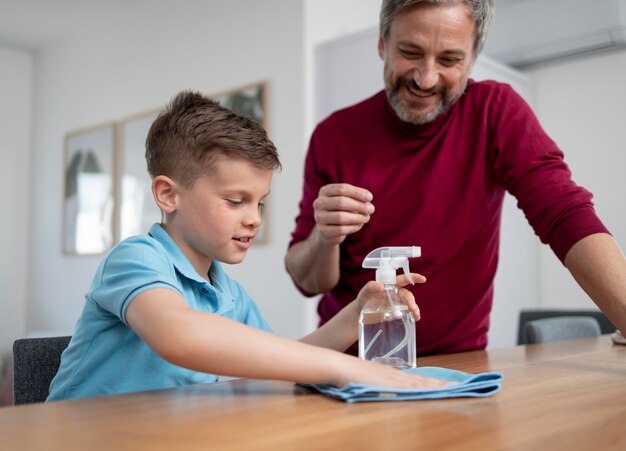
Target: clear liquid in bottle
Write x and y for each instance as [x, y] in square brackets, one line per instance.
[387, 336]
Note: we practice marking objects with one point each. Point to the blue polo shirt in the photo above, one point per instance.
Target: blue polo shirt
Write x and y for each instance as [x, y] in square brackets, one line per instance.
[105, 355]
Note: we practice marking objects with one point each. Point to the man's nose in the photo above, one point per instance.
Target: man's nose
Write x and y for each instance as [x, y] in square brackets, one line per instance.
[426, 75]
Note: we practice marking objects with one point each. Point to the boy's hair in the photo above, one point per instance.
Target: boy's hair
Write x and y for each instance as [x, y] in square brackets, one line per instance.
[193, 130]
[482, 13]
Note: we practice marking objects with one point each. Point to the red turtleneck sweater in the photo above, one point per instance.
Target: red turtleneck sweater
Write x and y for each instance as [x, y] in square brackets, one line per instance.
[441, 186]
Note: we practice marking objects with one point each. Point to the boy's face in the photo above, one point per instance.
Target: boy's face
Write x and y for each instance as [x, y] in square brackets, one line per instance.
[219, 216]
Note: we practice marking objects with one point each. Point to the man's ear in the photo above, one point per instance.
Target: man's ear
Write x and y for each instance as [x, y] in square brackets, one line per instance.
[381, 47]
[164, 190]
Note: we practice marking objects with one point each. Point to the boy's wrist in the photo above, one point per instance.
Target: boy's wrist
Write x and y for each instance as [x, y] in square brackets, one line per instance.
[346, 323]
[352, 317]
[353, 311]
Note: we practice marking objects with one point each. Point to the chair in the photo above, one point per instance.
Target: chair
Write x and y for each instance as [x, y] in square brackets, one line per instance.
[561, 328]
[35, 363]
[606, 327]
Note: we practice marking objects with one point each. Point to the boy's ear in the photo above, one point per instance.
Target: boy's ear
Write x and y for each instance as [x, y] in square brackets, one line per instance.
[164, 192]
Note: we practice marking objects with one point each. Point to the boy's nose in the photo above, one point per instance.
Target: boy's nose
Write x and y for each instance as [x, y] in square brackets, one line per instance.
[254, 218]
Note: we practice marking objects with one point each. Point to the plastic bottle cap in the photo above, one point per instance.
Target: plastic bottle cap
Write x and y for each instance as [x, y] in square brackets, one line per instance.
[386, 275]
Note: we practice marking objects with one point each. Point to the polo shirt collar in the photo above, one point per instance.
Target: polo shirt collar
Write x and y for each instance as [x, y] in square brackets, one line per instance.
[182, 263]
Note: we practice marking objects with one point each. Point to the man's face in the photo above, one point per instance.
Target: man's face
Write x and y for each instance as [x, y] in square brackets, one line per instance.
[428, 57]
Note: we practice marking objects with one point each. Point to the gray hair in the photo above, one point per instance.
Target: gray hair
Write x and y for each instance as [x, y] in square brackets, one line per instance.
[482, 12]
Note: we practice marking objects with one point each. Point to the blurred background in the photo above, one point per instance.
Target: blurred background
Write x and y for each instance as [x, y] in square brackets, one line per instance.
[68, 65]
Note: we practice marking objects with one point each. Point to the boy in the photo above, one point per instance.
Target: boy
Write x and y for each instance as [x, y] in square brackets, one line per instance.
[161, 311]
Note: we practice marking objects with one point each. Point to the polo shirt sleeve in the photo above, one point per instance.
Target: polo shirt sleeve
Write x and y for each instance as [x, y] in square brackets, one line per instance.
[132, 267]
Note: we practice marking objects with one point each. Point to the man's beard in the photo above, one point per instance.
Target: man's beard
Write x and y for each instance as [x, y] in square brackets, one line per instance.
[418, 118]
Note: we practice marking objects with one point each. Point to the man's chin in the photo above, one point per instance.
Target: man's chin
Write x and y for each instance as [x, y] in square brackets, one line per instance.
[413, 113]
[418, 116]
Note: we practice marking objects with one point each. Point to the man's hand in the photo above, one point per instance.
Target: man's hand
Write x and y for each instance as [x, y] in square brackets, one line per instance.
[341, 209]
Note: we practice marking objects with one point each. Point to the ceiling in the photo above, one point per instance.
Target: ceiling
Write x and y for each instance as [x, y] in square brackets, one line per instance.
[32, 24]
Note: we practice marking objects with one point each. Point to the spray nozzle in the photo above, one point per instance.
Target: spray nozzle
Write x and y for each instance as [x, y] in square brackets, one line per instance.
[386, 260]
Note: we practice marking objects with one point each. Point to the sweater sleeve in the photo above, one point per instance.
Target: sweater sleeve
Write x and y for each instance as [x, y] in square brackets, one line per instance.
[532, 168]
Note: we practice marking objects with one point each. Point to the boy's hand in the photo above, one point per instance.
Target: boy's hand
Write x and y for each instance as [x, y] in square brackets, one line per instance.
[366, 372]
[373, 289]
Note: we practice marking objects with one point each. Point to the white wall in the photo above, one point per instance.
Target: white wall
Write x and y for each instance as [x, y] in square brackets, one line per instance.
[137, 64]
[582, 105]
[16, 76]
[158, 48]
[330, 19]
[116, 70]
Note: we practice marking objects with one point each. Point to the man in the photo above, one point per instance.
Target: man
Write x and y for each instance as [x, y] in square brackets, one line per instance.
[427, 162]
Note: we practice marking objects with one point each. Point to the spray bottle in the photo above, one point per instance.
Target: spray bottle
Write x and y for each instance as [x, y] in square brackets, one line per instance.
[386, 325]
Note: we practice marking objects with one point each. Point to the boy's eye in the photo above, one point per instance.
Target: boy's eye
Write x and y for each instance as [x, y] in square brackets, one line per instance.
[234, 201]
[261, 205]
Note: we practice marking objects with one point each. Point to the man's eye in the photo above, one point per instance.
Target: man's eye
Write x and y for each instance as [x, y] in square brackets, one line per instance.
[450, 61]
[408, 54]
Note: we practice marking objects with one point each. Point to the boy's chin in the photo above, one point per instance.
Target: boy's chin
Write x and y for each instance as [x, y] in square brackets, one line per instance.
[234, 259]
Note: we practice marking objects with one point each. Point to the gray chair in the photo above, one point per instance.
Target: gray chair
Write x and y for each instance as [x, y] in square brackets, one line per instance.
[35, 363]
[561, 328]
[606, 327]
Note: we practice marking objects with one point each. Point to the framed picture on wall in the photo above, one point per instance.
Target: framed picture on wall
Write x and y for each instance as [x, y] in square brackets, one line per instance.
[249, 100]
[88, 194]
[137, 210]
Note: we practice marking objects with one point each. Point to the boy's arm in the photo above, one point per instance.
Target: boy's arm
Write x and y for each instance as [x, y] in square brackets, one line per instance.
[210, 343]
[313, 263]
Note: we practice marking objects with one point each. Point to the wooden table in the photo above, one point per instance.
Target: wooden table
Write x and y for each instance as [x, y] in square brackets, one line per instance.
[568, 395]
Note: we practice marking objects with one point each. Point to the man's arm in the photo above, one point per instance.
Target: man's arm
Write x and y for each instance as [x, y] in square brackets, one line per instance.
[340, 209]
[598, 265]
[213, 344]
[314, 263]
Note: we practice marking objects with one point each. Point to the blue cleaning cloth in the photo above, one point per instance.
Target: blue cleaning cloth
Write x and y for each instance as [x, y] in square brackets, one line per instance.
[467, 385]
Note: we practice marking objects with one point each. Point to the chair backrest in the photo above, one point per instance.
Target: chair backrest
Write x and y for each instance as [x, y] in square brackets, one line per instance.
[35, 363]
[561, 328]
[606, 327]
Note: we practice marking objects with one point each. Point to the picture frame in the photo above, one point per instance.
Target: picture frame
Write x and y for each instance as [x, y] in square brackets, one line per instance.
[136, 210]
[88, 195]
[249, 100]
